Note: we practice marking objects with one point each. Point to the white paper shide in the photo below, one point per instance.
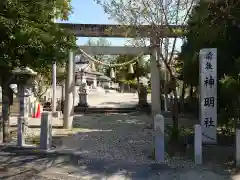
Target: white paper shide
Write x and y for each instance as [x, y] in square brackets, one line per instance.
[208, 94]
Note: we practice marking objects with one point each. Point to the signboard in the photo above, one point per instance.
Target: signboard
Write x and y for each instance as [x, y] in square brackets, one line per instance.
[208, 94]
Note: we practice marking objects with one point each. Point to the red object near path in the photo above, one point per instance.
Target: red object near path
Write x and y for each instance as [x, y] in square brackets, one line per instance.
[38, 114]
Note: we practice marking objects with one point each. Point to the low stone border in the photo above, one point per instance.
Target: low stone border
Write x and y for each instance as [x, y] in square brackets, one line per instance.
[31, 150]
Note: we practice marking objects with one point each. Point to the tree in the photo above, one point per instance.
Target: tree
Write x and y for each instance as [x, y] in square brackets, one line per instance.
[216, 25]
[139, 69]
[42, 85]
[154, 13]
[29, 37]
[209, 27]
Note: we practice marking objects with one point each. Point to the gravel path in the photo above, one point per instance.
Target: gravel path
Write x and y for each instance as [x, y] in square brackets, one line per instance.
[108, 146]
[119, 137]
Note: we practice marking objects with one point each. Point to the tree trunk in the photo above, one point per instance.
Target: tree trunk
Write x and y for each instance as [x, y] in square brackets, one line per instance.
[175, 132]
[183, 91]
[182, 96]
[62, 99]
[191, 92]
[166, 100]
[174, 135]
[138, 82]
[5, 109]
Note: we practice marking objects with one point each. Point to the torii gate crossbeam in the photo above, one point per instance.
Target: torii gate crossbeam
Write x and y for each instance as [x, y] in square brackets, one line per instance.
[123, 31]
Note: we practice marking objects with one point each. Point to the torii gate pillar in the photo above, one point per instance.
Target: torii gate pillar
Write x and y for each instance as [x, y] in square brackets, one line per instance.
[155, 76]
[69, 92]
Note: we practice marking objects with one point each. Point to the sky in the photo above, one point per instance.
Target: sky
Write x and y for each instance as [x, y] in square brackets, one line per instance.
[89, 12]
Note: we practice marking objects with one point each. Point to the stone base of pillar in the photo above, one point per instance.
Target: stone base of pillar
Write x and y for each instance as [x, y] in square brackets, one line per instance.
[83, 100]
[144, 107]
[159, 138]
[57, 114]
[142, 96]
[142, 101]
[82, 105]
[22, 129]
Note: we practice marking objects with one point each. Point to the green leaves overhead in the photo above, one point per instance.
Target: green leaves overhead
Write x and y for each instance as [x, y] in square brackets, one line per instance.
[139, 69]
[210, 26]
[215, 25]
[29, 36]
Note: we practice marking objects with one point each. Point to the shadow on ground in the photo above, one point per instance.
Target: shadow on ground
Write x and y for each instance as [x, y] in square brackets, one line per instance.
[61, 167]
[121, 137]
[117, 104]
[79, 167]
[108, 145]
[17, 166]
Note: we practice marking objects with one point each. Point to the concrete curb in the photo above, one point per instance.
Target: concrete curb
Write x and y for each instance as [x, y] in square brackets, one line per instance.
[30, 150]
[38, 126]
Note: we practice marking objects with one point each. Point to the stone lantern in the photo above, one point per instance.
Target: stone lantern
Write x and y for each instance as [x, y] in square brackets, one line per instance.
[25, 79]
[83, 63]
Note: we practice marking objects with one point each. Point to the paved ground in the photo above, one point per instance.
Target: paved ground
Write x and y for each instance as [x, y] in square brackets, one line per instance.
[99, 99]
[107, 147]
[112, 99]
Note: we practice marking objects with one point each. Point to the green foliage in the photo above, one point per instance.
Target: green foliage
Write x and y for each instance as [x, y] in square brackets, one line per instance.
[210, 27]
[229, 100]
[43, 84]
[29, 37]
[187, 66]
[154, 13]
[215, 25]
[129, 82]
[140, 69]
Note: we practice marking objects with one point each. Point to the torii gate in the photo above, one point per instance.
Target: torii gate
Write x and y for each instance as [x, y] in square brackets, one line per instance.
[103, 30]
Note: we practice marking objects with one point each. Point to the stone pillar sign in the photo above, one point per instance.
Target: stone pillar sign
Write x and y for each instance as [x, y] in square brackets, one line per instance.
[159, 138]
[208, 95]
